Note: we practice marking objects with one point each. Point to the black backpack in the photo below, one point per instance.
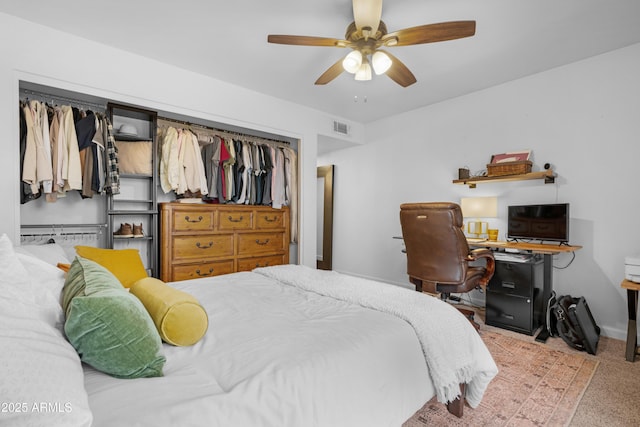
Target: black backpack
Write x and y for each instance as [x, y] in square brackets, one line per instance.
[572, 320]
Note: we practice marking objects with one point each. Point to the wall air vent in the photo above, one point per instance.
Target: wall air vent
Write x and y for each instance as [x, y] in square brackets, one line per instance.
[341, 128]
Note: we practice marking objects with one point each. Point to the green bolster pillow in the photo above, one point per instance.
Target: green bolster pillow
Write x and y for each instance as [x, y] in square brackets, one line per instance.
[178, 316]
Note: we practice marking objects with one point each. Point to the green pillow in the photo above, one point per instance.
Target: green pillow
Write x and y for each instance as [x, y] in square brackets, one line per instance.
[109, 328]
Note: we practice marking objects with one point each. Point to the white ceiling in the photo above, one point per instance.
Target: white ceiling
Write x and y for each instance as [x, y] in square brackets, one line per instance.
[227, 40]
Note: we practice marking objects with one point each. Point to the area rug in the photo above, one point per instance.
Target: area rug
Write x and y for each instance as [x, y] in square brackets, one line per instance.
[536, 386]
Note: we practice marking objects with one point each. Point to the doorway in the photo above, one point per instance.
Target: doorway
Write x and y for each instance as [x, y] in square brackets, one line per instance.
[325, 217]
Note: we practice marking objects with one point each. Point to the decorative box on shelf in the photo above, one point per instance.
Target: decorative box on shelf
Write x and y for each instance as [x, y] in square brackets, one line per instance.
[509, 168]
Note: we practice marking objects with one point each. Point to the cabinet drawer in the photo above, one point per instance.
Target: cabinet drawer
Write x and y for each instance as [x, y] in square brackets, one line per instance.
[192, 220]
[510, 312]
[513, 278]
[248, 264]
[256, 243]
[269, 220]
[203, 246]
[234, 219]
[205, 269]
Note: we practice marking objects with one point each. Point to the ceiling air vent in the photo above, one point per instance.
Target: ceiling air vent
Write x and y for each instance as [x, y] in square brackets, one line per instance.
[341, 128]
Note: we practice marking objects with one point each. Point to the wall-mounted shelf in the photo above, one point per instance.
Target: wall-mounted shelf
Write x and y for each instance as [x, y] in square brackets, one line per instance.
[548, 176]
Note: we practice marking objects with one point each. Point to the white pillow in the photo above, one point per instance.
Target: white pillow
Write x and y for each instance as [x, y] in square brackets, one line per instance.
[14, 280]
[42, 379]
[51, 253]
[46, 282]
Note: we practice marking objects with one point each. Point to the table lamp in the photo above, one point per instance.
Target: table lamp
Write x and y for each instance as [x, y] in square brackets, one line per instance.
[477, 208]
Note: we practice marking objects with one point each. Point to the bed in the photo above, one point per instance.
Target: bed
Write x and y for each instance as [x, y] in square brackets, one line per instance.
[285, 346]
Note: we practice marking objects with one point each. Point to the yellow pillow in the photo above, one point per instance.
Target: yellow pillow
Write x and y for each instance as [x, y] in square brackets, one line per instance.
[179, 317]
[125, 264]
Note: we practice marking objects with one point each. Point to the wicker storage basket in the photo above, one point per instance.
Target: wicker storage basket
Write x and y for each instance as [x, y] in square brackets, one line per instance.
[509, 168]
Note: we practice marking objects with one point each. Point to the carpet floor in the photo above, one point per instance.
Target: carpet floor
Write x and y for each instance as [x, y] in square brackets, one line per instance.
[536, 386]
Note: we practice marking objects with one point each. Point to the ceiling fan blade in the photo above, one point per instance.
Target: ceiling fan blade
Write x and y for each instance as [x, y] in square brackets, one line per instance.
[367, 13]
[305, 40]
[332, 72]
[432, 33]
[399, 73]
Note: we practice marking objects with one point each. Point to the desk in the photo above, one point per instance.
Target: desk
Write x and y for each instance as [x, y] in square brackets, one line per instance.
[632, 306]
[537, 248]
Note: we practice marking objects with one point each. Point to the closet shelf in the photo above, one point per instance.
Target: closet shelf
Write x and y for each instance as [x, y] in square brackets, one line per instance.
[126, 138]
[132, 212]
[132, 239]
[135, 176]
[548, 176]
[132, 200]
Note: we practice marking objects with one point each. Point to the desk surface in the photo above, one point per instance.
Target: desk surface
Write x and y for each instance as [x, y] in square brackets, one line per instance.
[628, 284]
[538, 248]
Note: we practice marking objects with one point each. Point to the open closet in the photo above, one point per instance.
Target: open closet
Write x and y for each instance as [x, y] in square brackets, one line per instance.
[99, 176]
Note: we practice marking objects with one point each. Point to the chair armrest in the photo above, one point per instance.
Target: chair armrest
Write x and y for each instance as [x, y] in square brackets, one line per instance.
[490, 266]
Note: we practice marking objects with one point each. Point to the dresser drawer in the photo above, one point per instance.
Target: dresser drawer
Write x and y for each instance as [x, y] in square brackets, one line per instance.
[234, 219]
[192, 220]
[256, 243]
[202, 246]
[269, 220]
[205, 269]
[248, 264]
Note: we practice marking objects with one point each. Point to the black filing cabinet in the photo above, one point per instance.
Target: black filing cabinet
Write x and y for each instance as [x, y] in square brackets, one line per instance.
[514, 295]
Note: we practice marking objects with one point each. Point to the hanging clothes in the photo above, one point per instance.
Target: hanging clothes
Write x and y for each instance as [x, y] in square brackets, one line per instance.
[64, 148]
[73, 174]
[211, 161]
[112, 173]
[26, 193]
[237, 169]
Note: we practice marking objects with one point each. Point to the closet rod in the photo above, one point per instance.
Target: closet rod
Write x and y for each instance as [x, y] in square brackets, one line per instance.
[95, 233]
[62, 99]
[223, 132]
[63, 225]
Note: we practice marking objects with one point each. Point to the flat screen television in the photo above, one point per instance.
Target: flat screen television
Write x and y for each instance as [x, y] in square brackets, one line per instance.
[545, 222]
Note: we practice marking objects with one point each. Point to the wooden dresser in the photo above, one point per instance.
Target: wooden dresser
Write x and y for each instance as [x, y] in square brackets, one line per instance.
[198, 240]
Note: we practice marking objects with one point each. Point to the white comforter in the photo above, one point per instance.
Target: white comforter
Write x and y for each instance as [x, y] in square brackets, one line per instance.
[276, 355]
[452, 348]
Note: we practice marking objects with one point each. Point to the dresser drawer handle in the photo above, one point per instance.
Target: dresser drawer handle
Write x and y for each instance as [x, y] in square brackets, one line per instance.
[262, 242]
[204, 247]
[509, 285]
[186, 218]
[508, 316]
[269, 219]
[232, 219]
[266, 264]
[204, 274]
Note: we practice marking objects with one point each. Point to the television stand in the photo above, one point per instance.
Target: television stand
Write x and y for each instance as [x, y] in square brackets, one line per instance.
[547, 251]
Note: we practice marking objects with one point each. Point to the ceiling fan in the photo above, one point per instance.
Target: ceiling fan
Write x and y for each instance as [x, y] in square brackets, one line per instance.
[368, 34]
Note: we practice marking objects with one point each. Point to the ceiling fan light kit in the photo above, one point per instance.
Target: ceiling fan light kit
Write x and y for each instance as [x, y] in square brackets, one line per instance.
[352, 62]
[381, 62]
[364, 72]
[366, 42]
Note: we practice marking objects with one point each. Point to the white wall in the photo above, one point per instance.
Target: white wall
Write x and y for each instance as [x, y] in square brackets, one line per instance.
[41, 55]
[584, 119]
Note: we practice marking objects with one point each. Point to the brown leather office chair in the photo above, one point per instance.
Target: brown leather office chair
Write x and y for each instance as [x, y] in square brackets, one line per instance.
[438, 255]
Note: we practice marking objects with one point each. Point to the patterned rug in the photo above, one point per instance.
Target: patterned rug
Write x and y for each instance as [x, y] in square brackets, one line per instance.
[536, 386]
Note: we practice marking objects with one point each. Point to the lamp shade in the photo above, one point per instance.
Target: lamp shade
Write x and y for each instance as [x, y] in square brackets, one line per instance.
[479, 207]
[381, 62]
[352, 62]
[364, 72]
